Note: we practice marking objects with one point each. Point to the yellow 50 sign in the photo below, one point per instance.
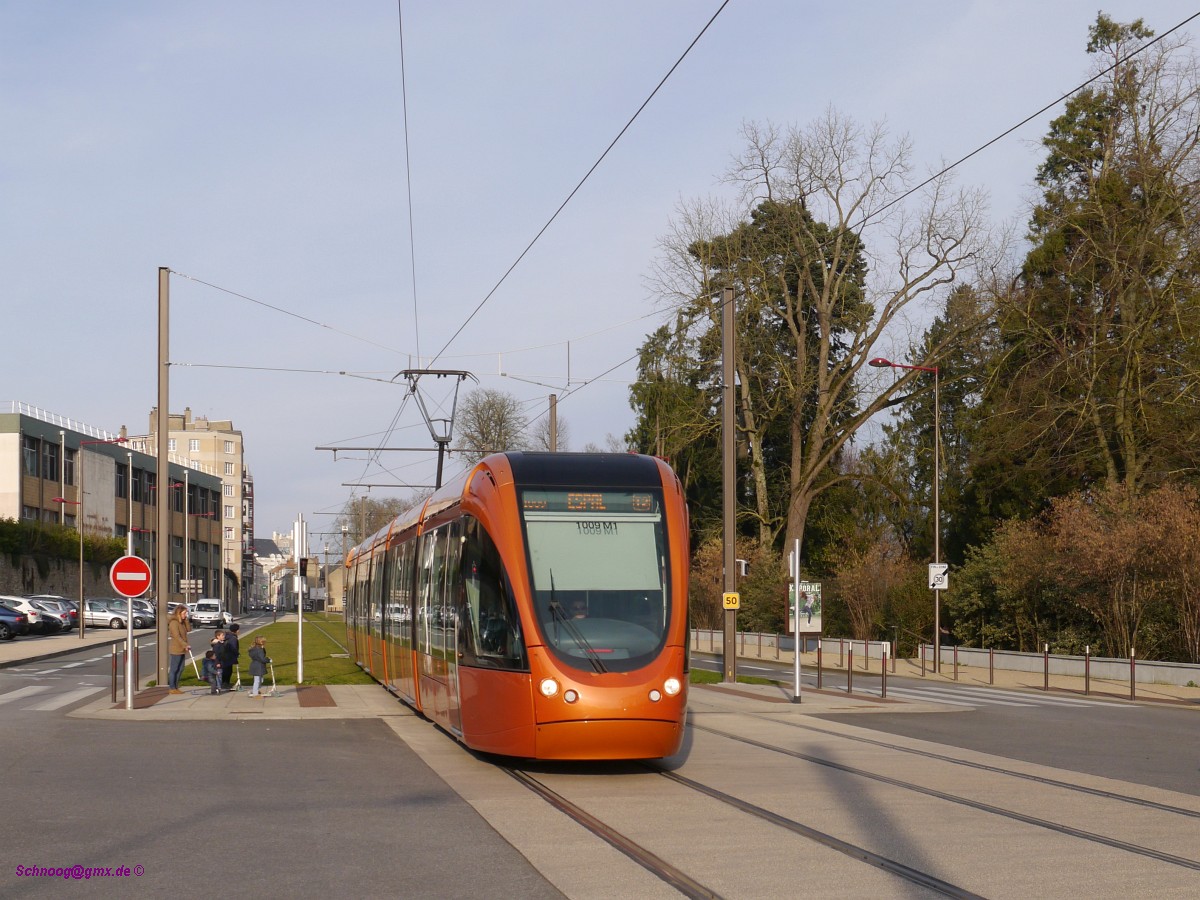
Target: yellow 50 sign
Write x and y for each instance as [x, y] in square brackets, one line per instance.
[731, 600]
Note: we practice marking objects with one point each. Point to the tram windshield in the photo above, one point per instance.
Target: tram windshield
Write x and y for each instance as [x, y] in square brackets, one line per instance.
[598, 562]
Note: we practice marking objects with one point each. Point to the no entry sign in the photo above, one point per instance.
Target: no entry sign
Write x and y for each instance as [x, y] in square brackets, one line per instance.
[130, 576]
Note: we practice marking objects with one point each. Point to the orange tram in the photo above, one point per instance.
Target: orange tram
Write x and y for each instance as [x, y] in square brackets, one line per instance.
[535, 607]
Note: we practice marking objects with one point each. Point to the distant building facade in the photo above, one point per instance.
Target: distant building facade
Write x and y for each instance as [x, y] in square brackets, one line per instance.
[217, 446]
[54, 469]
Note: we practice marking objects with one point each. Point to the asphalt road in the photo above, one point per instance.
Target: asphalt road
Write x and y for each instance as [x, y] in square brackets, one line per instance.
[330, 808]
[1143, 743]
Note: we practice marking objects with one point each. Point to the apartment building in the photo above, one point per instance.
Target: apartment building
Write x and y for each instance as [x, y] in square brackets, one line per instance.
[217, 446]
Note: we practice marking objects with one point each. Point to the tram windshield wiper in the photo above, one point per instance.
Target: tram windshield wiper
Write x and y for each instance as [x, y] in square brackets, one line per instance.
[563, 619]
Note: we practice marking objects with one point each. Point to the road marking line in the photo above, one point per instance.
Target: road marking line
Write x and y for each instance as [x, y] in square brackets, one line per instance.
[63, 699]
[23, 692]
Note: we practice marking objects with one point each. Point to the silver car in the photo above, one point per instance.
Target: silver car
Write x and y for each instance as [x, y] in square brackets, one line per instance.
[141, 618]
[60, 617]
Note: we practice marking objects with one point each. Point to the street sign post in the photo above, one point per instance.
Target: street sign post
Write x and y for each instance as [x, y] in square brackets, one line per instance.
[130, 577]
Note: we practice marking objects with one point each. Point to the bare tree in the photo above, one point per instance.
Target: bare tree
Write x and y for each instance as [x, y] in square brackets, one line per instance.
[539, 435]
[850, 254]
[489, 421]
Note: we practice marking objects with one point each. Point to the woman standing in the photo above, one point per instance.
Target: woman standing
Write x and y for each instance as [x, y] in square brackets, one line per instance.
[177, 645]
[258, 664]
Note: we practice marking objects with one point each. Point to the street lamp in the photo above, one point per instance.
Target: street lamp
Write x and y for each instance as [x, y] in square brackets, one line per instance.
[880, 362]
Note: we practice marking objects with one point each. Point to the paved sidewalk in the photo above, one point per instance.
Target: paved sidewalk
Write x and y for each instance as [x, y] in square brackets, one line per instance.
[335, 701]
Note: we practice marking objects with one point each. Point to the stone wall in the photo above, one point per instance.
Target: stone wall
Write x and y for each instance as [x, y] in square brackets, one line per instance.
[25, 575]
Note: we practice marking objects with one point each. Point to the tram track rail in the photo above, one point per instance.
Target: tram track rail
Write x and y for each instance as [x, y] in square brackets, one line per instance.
[978, 805]
[691, 887]
[996, 770]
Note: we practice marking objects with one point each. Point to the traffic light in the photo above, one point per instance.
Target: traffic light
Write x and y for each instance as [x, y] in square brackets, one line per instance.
[303, 567]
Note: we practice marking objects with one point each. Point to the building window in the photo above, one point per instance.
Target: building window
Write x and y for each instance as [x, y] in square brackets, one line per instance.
[170, 445]
[229, 533]
[194, 445]
[228, 490]
[121, 487]
[152, 488]
[229, 469]
[229, 512]
[69, 466]
[29, 447]
[229, 446]
[30, 513]
[49, 461]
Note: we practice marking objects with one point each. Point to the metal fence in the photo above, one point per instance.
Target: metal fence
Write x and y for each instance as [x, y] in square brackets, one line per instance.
[838, 651]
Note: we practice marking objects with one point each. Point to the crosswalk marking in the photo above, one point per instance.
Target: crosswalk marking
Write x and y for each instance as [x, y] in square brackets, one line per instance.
[60, 700]
[23, 692]
[972, 697]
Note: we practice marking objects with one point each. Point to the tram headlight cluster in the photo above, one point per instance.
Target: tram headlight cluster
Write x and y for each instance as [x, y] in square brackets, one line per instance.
[548, 687]
[672, 686]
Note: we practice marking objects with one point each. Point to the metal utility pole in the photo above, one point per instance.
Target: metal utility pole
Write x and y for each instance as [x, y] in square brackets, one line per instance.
[728, 476]
[554, 423]
[162, 536]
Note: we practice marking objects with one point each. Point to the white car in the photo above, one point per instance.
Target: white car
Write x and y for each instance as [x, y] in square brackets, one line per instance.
[209, 612]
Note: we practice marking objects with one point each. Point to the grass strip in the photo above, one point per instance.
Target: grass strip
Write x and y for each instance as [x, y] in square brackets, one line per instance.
[325, 661]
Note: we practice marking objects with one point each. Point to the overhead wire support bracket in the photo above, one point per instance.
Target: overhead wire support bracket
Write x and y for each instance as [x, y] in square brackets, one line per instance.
[440, 429]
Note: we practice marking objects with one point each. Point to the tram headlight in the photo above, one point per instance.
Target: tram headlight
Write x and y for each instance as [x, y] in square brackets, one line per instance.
[571, 696]
[655, 695]
[672, 686]
[548, 687]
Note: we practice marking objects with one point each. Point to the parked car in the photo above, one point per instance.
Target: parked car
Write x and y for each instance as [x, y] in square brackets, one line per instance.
[61, 618]
[61, 604]
[147, 610]
[97, 614]
[209, 612]
[119, 607]
[38, 624]
[12, 622]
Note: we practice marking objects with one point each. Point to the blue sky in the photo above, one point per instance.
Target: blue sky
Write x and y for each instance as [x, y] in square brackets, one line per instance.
[260, 147]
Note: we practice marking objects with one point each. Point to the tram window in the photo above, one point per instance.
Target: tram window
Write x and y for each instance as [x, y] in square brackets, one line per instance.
[489, 630]
[608, 554]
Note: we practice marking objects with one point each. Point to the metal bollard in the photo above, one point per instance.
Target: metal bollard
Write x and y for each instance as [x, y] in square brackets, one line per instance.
[922, 660]
[1132, 674]
[883, 682]
[850, 670]
[818, 664]
[1087, 670]
[114, 673]
[991, 666]
[841, 651]
[1046, 667]
[956, 662]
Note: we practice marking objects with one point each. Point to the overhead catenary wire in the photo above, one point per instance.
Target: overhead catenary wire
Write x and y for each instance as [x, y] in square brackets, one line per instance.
[581, 183]
[412, 247]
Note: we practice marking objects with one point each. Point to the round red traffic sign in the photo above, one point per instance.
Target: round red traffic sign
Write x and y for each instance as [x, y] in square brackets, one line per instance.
[130, 576]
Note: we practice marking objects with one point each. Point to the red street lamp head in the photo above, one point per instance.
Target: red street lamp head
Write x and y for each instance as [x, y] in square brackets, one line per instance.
[882, 362]
[64, 500]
